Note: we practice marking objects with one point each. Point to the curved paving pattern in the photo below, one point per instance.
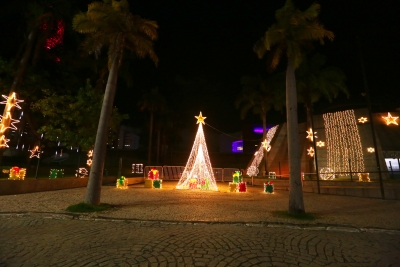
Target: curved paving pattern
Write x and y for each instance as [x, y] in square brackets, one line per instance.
[42, 240]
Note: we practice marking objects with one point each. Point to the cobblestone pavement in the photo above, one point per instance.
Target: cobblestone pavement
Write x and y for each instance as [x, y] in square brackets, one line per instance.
[168, 227]
[29, 240]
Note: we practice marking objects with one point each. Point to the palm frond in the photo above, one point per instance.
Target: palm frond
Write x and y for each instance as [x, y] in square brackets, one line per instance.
[312, 11]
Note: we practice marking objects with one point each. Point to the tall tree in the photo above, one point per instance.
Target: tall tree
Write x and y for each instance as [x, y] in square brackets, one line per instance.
[153, 102]
[111, 24]
[260, 95]
[294, 29]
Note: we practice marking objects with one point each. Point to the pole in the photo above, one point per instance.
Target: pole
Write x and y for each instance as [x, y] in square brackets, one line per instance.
[37, 167]
[371, 120]
[315, 150]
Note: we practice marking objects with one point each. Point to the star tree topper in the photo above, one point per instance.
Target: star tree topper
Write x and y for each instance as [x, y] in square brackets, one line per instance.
[200, 119]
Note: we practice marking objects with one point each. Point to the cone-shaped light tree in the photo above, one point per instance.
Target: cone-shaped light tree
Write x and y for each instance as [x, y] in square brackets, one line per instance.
[111, 24]
[198, 173]
[292, 32]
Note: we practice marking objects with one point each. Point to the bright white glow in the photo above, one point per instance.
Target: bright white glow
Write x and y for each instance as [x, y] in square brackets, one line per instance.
[252, 170]
[311, 135]
[198, 173]
[371, 149]
[344, 151]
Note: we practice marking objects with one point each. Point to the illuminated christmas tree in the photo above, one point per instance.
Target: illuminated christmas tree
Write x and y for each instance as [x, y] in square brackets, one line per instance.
[198, 173]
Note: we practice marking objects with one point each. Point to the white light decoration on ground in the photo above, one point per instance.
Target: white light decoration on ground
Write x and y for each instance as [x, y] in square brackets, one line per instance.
[362, 120]
[326, 174]
[198, 172]
[311, 135]
[81, 173]
[35, 152]
[371, 149]
[344, 151]
[252, 170]
[320, 144]
[310, 151]
[7, 122]
[390, 120]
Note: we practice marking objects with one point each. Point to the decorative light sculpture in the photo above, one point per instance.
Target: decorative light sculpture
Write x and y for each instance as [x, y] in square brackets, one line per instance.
[320, 144]
[17, 173]
[327, 174]
[6, 119]
[310, 151]
[122, 183]
[89, 160]
[35, 152]
[81, 173]
[252, 170]
[362, 120]
[198, 173]
[390, 120]
[344, 151]
[371, 149]
[311, 134]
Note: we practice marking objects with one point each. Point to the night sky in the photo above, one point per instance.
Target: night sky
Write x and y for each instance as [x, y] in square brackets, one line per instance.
[205, 47]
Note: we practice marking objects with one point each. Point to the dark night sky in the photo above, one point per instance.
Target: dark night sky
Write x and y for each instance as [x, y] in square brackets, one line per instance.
[209, 45]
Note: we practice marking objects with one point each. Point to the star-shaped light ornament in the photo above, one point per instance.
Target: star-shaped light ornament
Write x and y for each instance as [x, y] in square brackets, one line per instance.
[311, 135]
[89, 162]
[90, 153]
[390, 120]
[11, 101]
[200, 119]
[320, 144]
[371, 150]
[362, 120]
[7, 123]
[35, 152]
[3, 141]
[310, 152]
[266, 145]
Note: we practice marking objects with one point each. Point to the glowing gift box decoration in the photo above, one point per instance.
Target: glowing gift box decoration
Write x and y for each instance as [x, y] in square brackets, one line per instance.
[232, 187]
[237, 177]
[363, 177]
[157, 184]
[193, 183]
[272, 175]
[153, 174]
[269, 187]
[205, 184]
[148, 183]
[122, 183]
[17, 173]
[242, 188]
[56, 173]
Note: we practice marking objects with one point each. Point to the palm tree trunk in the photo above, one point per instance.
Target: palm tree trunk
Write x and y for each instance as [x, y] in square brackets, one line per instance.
[296, 203]
[100, 147]
[150, 137]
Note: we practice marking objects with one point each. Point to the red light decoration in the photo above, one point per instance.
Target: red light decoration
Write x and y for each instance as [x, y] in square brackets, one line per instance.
[56, 38]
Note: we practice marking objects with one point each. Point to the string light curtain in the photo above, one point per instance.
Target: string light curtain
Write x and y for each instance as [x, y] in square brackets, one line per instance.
[343, 143]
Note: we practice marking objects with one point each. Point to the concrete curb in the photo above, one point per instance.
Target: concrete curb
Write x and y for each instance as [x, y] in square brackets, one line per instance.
[312, 227]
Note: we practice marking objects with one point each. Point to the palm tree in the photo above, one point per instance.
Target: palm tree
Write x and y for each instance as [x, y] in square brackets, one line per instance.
[260, 95]
[111, 24]
[154, 102]
[293, 30]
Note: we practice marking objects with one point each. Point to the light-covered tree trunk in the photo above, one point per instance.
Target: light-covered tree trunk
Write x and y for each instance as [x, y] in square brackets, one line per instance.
[93, 190]
[296, 203]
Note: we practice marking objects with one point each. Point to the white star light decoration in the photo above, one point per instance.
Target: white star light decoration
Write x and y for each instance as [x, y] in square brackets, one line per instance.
[90, 155]
[320, 144]
[311, 135]
[362, 120]
[390, 120]
[371, 150]
[310, 152]
[35, 152]
[266, 145]
[6, 120]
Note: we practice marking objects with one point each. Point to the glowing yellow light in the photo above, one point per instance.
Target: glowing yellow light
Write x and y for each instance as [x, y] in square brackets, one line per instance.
[362, 120]
[90, 153]
[363, 177]
[310, 152]
[35, 152]
[371, 149]
[390, 120]
[320, 143]
[343, 142]
[311, 135]
[81, 173]
[266, 145]
[198, 172]
[122, 183]
[17, 173]
[200, 119]
[3, 141]
[89, 162]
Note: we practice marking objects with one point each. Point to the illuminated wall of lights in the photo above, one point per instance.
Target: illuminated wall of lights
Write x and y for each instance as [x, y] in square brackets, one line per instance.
[343, 143]
[252, 170]
[198, 172]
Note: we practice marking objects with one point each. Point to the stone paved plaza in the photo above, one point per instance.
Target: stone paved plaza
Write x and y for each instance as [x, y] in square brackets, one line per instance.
[171, 227]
